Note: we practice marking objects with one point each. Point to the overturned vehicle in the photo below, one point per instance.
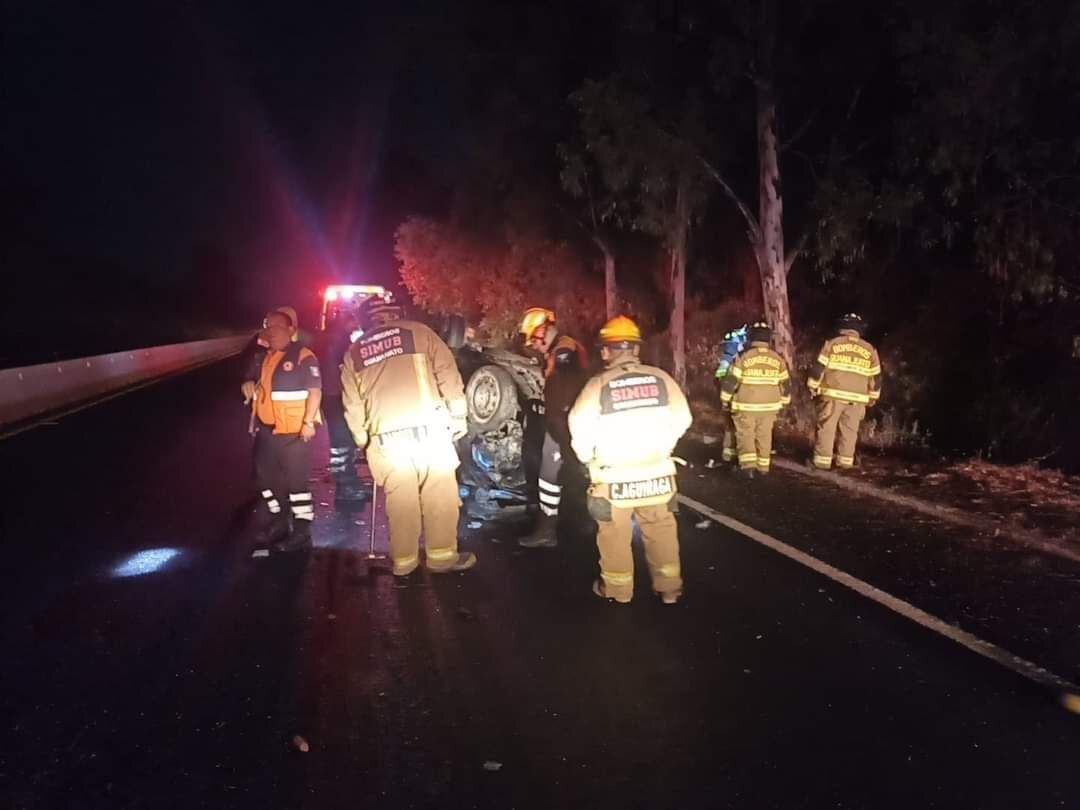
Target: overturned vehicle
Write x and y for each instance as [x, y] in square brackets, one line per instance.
[500, 455]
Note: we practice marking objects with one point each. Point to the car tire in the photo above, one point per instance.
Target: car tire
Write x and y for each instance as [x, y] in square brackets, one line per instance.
[491, 397]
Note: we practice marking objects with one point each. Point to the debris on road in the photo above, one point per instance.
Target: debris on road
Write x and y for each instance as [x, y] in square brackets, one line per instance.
[331, 616]
[492, 765]
[475, 524]
[711, 464]
[261, 552]
[300, 744]
[703, 524]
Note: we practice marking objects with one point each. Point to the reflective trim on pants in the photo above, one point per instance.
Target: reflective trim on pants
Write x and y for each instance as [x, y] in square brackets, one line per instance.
[659, 535]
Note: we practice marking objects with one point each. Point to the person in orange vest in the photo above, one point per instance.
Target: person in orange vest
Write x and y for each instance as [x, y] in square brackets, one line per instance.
[285, 397]
[565, 364]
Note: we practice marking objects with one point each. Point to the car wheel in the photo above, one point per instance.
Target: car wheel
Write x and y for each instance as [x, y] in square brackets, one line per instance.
[491, 397]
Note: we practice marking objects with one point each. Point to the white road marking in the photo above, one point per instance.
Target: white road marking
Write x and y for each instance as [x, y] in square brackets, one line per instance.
[1021, 666]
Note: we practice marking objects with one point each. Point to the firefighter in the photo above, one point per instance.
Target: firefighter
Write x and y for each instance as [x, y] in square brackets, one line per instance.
[755, 389]
[335, 342]
[285, 398]
[734, 343]
[845, 380]
[565, 364]
[624, 426]
[405, 402]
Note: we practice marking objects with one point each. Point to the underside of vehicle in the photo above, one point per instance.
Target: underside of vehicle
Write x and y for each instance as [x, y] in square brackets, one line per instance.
[500, 454]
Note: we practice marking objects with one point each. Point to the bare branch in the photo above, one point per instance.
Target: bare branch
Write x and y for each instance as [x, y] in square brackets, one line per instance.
[751, 222]
[802, 130]
[795, 252]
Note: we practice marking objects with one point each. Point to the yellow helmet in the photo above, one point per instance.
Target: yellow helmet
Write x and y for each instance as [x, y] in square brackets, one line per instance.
[533, 319]
[620, 329]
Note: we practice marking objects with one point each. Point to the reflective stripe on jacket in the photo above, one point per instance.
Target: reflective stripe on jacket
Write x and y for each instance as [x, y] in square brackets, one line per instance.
[624, 426]
[758, 381]
[847, 368]
[284, 381]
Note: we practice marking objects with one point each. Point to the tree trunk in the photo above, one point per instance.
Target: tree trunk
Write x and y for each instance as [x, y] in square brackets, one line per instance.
[611, 292]
[678, 284]
[770, 248]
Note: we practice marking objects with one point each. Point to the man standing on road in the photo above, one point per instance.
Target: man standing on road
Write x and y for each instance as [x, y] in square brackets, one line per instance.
[404, 401]
[624, 425]
[755, 389]
[845, 380]
[565, 364]
[285, 399]
[335, 342]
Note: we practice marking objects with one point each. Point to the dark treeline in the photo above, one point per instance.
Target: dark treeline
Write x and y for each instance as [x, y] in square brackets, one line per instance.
[926, 164]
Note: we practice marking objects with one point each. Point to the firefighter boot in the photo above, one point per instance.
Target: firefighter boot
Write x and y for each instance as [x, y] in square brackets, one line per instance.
[273, 531]
[600, 590]
[465, 561]
[299, 538]
[543, 534]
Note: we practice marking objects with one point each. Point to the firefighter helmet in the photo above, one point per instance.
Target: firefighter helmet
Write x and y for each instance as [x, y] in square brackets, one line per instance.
[534, 319]
[851, 322]
[377, 310]
[620, 330]
[759, 332]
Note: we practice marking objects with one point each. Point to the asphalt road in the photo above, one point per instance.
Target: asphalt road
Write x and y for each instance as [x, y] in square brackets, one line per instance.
[184, 686]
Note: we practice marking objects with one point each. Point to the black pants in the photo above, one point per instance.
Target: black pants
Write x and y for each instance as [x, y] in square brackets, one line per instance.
[342, 446]
[282, 467]
[549, 481]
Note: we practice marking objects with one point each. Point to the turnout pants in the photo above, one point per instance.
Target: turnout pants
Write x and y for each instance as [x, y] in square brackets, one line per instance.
[837, 424]
[549, 482]
[660, 536]
[753, 437]
[417, 477]
[282, 466]
[727, 452]
[342, 446]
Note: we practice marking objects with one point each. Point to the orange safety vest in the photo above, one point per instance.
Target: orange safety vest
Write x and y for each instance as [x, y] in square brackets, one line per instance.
[283, 390]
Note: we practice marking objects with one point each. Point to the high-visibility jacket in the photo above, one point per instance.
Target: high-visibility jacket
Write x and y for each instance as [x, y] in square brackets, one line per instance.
[565, 350]
[285, 380]
[848, 369]
[400, 378]
[757, 382]
[624, 426]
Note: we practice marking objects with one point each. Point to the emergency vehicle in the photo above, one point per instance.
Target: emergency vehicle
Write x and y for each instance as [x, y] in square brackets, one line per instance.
[341, 300]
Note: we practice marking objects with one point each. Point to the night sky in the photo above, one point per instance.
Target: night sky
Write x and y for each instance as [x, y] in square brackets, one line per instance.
[139, 136]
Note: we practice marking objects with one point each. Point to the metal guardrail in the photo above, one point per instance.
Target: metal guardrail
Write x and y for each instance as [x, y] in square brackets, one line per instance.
[34, 390]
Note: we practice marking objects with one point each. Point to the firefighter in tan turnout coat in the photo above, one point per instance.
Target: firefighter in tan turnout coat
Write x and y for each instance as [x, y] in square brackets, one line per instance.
[846, 380]
[756, 388]
[404, 400]
[624, 426]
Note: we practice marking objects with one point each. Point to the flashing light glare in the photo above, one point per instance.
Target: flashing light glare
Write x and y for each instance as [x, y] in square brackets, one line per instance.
[347, 295]
[145, 562]
[356, 335]
[331, 294]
